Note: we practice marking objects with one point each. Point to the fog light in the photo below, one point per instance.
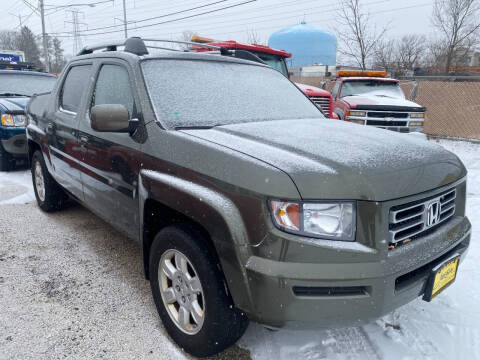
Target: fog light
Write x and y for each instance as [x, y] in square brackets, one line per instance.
[360, 122]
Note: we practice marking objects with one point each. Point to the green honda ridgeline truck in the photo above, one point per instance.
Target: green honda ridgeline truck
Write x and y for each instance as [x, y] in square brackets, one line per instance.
[246, 201]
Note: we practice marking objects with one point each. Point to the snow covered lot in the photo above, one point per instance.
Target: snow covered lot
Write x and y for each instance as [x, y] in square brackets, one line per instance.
[84, 297]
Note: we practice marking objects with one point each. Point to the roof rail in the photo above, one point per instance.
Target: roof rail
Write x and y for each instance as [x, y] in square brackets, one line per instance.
[136, 45]
[109, 46]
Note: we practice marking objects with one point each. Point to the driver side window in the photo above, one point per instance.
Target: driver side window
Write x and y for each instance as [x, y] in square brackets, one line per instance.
[335, 90]
[113, 87]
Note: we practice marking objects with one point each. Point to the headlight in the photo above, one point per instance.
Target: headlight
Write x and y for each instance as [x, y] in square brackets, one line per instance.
[357, 113]
[14, 120]
[417, 115]
[415, 123]
[326, 220]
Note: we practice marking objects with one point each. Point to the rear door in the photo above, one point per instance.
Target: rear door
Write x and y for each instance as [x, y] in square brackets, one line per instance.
[110, 160]
[62, 133]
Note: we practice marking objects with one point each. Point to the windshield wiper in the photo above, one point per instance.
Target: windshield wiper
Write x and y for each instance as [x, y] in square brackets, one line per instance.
[13, 94]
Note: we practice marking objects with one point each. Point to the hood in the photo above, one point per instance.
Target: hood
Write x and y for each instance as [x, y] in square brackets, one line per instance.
[328, 159]
[312, 90]
[13, 103]
[357, 101]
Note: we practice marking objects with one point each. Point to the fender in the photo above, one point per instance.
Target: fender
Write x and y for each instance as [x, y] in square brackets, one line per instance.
[225, 224]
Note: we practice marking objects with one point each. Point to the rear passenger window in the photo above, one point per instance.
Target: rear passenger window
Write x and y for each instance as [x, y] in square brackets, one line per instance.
[113, 87]
[74, 87]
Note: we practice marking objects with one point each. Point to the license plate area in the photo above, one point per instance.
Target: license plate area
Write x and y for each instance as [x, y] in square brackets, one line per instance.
[441, 277]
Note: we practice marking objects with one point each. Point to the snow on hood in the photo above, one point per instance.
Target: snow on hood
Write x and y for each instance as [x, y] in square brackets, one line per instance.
[371, 99]
[14, 103]
[330, 159]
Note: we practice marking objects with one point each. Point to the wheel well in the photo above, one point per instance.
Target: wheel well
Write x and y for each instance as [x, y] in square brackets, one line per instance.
[156, 217]
[32, 147]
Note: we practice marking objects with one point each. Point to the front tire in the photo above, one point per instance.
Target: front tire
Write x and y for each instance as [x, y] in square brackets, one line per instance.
[50, 196]
[190, 294]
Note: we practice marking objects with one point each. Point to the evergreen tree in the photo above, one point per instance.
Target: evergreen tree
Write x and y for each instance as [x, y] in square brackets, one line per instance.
[57, 58]
[27, 43]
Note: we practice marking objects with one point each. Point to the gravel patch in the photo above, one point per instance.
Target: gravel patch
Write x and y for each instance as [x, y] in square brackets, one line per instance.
[73, 287]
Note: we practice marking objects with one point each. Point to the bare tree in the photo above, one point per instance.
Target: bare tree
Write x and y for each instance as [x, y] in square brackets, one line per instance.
[8, 40]
[186, 36]
[384, 55]
[254, 38]
[357, 35]
[409, 53]
[458, 21]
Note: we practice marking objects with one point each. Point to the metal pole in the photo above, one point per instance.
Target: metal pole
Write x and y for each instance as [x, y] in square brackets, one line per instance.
[125, 19]
[44, 36]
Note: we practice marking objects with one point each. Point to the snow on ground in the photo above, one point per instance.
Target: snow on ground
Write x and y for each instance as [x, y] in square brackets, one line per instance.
[447, 328]
[16, 187]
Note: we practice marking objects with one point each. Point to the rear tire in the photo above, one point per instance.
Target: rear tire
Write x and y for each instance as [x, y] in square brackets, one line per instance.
[212, 323]
[50, 196]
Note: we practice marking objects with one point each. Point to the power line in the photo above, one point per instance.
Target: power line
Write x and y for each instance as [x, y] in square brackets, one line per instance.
[162, 16]
[173, 20]
[77, 4]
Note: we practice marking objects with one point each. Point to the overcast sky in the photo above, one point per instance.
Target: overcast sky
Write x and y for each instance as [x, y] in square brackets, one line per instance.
[261, 16]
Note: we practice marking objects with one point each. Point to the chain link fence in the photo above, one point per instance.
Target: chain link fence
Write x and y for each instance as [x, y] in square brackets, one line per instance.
[453, 103]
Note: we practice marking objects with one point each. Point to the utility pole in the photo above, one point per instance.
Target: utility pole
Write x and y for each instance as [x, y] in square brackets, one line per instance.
[125, 19]
[44, 36]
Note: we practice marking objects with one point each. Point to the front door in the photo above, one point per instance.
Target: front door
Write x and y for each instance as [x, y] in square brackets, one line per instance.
[62, 134]
[110, 160]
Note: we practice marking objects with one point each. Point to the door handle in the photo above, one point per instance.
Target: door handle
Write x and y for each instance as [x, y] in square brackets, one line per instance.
[50, 128]
[83, 139]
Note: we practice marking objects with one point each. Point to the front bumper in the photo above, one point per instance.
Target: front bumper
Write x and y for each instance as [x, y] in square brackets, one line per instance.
[400, 125]
[351, 293]
[14, 140]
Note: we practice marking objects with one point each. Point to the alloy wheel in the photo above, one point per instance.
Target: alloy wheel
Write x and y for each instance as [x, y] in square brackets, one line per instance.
[39, 181]
[181, 291]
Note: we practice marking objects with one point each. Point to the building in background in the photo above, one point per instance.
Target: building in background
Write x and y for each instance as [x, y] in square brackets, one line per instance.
[308, 44]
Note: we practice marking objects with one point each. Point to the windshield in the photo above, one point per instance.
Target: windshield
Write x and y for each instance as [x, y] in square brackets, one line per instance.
[276, 62]
[372, 87]
[26, 84]
[189, 93]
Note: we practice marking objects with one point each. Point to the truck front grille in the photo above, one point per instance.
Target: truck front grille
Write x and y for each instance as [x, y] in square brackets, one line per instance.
[385, 114]
[411, 220]
[386, 123]
[323, 102]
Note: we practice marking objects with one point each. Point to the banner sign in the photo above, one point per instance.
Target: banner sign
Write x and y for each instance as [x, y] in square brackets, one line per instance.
[9, 57]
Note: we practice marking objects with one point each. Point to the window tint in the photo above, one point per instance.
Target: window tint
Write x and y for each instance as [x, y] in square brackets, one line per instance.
[74, 87]
[113, 87]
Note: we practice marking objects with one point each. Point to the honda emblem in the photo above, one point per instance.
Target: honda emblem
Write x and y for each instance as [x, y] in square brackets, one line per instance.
[432, 214]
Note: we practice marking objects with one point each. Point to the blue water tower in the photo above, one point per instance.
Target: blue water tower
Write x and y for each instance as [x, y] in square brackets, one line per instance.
[308, 44]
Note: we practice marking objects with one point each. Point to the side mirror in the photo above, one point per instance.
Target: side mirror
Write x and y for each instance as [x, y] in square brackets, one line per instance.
[110, 118]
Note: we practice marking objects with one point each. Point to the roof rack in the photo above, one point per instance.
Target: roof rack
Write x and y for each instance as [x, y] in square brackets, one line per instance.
[137, 46]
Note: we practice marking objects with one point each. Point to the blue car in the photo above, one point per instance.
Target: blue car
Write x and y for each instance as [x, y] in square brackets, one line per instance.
[16, 87]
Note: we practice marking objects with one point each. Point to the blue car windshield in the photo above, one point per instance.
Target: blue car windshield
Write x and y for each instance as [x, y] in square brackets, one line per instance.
[25, 84]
